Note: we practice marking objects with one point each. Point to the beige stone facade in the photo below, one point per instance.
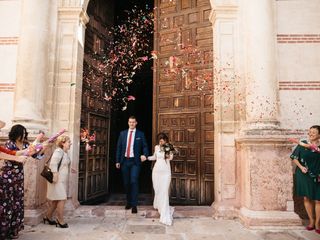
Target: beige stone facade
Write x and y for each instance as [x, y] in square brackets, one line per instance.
[269, 51]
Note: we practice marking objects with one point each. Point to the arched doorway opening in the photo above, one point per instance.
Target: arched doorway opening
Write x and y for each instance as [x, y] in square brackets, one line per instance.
[99, 180]
[182, 104]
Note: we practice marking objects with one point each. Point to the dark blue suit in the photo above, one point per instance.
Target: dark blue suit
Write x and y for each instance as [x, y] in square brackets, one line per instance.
[130, 168]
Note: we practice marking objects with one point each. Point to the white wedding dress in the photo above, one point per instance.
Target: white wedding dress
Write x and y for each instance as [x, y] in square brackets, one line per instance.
[161, 178]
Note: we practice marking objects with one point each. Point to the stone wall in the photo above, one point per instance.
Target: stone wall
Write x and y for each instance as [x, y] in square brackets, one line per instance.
[298, 49]
[9, 39]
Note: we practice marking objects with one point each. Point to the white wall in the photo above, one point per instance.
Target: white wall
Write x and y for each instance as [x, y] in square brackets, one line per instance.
[298, 27]
[9, 38]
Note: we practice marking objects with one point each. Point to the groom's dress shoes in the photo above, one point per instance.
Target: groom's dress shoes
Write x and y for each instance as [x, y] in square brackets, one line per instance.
[128, 207]
[134, 210]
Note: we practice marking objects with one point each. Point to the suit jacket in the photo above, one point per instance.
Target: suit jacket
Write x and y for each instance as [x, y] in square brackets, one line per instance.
[140, 146]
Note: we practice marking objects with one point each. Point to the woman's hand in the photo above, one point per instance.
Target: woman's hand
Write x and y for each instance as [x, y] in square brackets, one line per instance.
[168, 156]
[73, 170]
[294, 140]
[304, 169]
[143, 158]
[22, 159]
[45, 146]
[55, 177]
[31, 150]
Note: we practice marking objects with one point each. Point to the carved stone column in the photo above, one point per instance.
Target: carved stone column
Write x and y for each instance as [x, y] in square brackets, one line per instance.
[67, 90]
[262, 149]
[250, 149]
[30, 94]
[261, 72]
[224, 17]
[32, 66]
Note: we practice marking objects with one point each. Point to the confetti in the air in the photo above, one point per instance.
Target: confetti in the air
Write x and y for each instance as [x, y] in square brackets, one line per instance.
[127, 48]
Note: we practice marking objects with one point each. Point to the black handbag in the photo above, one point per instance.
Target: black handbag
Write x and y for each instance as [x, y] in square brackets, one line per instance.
[47, 173]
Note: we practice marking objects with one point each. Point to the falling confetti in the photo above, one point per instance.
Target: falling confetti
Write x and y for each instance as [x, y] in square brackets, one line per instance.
[128, 48]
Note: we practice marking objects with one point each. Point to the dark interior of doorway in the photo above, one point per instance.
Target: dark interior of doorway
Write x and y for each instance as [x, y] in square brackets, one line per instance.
[141, 108]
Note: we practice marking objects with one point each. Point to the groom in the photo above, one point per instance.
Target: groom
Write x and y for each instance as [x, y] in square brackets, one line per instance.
[132, 148]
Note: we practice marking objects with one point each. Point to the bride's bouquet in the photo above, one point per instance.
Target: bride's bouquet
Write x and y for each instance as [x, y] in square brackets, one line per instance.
[168, 149]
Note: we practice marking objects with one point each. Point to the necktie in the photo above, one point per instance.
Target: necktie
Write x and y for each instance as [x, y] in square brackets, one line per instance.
[129, 144]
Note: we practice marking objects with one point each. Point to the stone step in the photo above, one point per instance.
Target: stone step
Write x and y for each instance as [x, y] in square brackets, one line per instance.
[143, 211]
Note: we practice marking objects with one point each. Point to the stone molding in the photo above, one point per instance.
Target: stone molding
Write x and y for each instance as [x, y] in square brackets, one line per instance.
[73, 13]
[70, 3]
[223, 12]
[263, 139]
[272, 219]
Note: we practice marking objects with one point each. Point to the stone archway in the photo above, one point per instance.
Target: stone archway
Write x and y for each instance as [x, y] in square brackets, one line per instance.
[210, 155]
[206, 165]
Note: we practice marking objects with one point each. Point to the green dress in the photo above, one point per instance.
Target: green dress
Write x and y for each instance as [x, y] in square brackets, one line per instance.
[307, 184]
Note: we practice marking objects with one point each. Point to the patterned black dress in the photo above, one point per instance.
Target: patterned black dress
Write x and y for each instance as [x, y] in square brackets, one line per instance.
[11, 196]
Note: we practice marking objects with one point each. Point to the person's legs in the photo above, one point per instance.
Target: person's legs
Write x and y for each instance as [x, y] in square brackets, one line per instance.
[60, 210]
[309, 205]
[51, 209]
[125, 170]
[317, 207]
[134, 184]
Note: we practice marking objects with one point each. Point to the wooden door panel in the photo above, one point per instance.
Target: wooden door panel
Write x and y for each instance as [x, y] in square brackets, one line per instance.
[93, 164]
[183, 101]
[98, 158]
[181, 128]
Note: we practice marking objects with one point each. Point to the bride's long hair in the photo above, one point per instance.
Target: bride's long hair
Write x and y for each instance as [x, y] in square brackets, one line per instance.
[162, 136]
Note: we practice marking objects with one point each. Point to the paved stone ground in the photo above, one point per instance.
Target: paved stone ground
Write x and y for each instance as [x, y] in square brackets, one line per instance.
[122, 225]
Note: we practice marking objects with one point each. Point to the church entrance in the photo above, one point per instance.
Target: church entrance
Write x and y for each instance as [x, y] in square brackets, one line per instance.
[99, 180]
[174, 94]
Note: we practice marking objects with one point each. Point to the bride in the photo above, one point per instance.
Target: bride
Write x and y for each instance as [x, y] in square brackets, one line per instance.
[161, 178]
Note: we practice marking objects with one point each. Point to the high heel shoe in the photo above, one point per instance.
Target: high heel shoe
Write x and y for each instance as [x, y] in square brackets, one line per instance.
[65, 225]
[14, 236]
[51, 222]
[310, 228]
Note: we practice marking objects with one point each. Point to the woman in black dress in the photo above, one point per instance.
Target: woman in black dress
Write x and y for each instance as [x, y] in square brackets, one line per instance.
[8, 186]
[14, 189]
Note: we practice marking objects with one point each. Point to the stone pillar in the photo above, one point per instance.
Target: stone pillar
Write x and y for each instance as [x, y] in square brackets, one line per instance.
[262, 149]
[32, 66]
[266, 182]
[35, 190]
[225, 28]
[261, 79]
[30, 94]
[68, 83]
[250, 150]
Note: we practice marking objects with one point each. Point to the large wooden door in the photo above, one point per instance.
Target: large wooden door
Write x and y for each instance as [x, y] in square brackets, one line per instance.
[183, 101]
[95, 111]
[93, 165]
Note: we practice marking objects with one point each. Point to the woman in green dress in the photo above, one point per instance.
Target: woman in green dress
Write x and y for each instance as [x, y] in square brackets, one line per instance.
[307, 175]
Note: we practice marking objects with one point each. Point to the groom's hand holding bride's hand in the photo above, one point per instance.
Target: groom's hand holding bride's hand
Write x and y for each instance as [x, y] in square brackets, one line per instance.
[143, 158]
